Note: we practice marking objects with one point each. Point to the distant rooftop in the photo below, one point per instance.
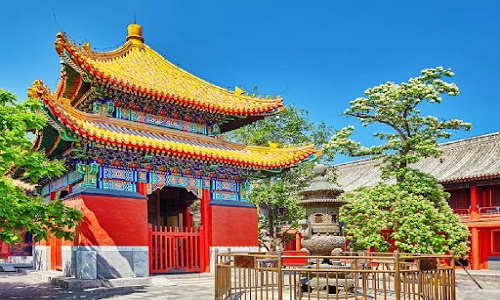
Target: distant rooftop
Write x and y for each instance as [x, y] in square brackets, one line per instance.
[476, 158]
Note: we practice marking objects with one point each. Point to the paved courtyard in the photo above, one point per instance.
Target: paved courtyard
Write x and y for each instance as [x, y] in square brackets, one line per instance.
[19, 286]
[187, 287]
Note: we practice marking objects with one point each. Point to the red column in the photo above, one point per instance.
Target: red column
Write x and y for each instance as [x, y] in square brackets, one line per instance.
[474, 197]
[55, 247]
[188, 220]
[150, 248]
[298, 244]
[206, 221]
[475, 248]
[142, 188]
[203, 253]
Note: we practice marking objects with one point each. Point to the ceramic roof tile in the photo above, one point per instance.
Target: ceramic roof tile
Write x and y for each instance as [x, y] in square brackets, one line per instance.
[463, 160]
[137, 68]
[152, 138]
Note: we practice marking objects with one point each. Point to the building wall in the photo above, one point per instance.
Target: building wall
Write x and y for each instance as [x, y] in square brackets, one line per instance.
[112, 240]
[234, 226]
[113, 237]
[485, 217]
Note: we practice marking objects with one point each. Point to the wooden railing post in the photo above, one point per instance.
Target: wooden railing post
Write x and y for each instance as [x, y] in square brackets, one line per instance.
[280, 277]
[397, 279]
[217, 274]
[354, 266]
[452, 275]
[420, 278]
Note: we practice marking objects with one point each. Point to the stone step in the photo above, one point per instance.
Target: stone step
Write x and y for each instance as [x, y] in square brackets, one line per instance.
[7, 268]
[57, 278]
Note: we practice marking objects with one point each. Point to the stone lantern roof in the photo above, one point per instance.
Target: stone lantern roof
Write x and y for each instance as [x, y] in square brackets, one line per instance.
[320, 190]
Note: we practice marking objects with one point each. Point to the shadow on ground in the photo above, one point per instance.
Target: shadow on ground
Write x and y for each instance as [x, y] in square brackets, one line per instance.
[15, 290]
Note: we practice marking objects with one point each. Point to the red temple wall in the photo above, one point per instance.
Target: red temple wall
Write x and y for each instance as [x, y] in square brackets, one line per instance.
[234, 226]
[484, 246]
[111, 221]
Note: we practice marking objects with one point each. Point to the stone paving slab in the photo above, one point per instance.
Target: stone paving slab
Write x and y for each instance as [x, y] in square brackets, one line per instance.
[56, 278]
[468, 290]
[37, 286]
[484, 275]
[181, 286]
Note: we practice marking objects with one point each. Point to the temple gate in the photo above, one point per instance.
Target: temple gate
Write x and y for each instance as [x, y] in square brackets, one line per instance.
[175, 242]
[141, 140]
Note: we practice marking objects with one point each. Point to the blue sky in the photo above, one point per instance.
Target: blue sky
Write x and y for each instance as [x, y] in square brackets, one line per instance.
[318, 55]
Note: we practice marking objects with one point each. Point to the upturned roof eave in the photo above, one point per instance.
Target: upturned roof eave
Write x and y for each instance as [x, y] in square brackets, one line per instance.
[83, 59]
[232, 155]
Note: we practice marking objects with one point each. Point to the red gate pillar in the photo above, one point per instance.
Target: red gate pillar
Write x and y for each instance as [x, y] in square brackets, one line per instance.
[475, 248]
[206, 221]
[150, 248]
[474, 197]
[474, 216]
[298, 242]
[203, 254]
[55, 245]
[142, 188]
[187, 218]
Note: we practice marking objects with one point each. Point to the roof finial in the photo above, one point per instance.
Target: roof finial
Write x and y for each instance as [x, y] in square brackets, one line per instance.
[135, 21]
[135, 34]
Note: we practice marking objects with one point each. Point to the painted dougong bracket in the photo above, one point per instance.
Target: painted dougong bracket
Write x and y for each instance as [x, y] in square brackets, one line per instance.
[89, 174]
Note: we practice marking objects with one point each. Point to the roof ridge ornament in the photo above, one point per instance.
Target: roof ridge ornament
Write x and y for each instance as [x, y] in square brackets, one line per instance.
[135, 34]
[238, 91]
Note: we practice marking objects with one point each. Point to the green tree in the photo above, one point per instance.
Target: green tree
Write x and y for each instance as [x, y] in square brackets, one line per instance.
[415, 209]
[276, 196]
[20, 212]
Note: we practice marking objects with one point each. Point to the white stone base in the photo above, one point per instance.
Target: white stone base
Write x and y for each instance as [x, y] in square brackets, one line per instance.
[41, 258]
[19, 259]
[68, 265]
[105, 262]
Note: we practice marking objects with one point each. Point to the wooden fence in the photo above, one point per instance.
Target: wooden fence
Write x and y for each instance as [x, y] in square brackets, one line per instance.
[368, 276]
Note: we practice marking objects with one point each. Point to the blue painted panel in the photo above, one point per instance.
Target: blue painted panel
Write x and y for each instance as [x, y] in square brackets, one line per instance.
[225, 196]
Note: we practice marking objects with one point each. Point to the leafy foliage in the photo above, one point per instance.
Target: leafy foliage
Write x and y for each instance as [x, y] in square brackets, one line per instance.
[277, 196]
[414, 210]
[397, 106]
[19, 211]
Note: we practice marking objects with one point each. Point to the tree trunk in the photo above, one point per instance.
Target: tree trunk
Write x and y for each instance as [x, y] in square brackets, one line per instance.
[272, 233]
[401, 177]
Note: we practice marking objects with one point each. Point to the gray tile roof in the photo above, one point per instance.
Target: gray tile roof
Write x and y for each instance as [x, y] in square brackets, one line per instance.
[475, 158]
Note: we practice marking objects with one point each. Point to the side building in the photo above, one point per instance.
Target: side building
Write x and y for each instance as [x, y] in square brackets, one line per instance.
[469, 170]
[141, 140]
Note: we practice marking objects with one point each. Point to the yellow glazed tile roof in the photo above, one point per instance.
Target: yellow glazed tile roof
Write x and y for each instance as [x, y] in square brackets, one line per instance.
[126, 134]
[136, 68]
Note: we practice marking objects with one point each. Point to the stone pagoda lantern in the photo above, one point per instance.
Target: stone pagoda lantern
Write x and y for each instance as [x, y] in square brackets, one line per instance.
[321, 234]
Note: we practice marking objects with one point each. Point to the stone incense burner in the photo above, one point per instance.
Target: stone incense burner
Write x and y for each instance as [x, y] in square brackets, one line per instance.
[321, 233]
